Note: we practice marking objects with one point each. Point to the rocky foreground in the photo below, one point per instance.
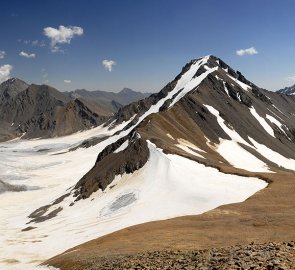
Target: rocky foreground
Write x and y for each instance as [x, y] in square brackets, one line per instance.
[271, 256]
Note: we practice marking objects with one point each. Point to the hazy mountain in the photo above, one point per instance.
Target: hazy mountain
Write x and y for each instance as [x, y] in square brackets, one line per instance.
[105, 102]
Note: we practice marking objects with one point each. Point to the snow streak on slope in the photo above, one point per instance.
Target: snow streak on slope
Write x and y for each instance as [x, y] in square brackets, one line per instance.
[273, 156]
[233, 152]
[230, 132]
[262, 122]
[276, 122]
[185, 84]
[189, 148]
[244, 86]
[237, 156]
[187, 81]
[225, 88]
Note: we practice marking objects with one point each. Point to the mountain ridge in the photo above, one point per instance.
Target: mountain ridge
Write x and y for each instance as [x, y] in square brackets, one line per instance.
[39, 110]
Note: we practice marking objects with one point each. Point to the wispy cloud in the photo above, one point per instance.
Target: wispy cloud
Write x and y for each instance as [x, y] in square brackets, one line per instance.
[27, 55]
[290, 78]
[67, 81]
[5, 72]
[44, 75]
[2, 54]
[249, 51]
[61, 35]
[35, 43]
[108, 64]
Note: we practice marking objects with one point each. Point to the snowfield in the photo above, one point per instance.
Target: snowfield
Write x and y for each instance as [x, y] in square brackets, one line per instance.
[167, 186]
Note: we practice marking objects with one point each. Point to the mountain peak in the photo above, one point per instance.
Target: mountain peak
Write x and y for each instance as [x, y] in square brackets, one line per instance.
[13, 81]
[126, 91]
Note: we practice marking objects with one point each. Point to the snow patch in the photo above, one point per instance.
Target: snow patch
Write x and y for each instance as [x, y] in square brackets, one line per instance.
[230, 132]
[225, 88]
[244, 86]
[238, 157]
[170, 136]
[277, 123]
[262, 122]
[273, 156]
[189, 147]
[231, 151]
[122, 147]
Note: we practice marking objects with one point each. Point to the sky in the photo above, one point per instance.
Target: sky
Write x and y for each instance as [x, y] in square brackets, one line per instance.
[143, 44]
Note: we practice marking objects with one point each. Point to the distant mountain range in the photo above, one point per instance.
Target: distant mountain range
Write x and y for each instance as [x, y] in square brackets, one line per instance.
[35, 111]
[287, 90]
[104, 102]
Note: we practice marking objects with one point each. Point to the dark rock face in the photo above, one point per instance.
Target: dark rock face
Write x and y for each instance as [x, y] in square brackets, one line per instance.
[41, 214]
[109, 164]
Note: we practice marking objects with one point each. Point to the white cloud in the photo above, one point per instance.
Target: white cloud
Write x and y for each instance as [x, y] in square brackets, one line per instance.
[291, 78]
[249, 51]
[27, 55]
[67, 81]
[2, 54]
[5, 72]
[108, 64]
[62, 35]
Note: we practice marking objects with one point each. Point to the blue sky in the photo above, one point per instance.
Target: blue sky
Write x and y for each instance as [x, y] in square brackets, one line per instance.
[149, 41]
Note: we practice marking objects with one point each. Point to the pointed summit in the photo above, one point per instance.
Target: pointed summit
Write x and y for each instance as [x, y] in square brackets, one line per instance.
[12, 87]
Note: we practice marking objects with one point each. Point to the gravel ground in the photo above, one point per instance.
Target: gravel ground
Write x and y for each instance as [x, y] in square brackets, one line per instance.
[270, 256]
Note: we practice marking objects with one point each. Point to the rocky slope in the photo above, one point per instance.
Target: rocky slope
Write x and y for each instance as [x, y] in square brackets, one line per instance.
[270, 256]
